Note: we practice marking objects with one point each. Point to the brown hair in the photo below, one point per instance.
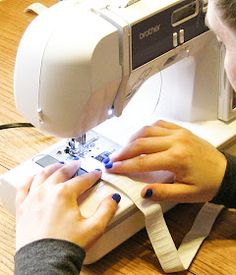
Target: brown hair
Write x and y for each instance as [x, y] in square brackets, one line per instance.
[227, 9]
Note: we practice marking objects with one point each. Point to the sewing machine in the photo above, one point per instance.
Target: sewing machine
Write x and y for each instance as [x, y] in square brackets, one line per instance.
[80, 64]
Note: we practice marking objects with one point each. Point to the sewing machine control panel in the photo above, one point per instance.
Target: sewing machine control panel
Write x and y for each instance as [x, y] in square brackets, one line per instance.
[96, 146]
[166, 30]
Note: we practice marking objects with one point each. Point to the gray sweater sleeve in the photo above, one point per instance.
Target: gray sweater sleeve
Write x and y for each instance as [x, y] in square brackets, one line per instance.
[227, 192]
[49, 256]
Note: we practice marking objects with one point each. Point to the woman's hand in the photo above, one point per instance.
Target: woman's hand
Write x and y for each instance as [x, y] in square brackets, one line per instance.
[46, 207]
[198, 166]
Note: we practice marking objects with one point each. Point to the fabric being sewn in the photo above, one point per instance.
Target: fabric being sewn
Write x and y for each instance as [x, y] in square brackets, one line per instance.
[171, 259]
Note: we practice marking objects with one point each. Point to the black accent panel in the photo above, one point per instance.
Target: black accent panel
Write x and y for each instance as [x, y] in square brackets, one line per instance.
[153, 36]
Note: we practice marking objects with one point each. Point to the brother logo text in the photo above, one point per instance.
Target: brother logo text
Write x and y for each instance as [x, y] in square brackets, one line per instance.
[149, 31]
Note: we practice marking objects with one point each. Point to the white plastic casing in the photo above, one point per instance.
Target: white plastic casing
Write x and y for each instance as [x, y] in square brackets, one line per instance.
[63, 82]
[74, 64]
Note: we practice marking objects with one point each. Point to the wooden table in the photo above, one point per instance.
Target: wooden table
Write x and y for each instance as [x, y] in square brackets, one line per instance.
[217, 254]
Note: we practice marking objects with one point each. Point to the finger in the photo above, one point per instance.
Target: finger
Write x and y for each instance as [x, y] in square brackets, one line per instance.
[64, 173]
[23, 191]
[144, 163]
[177, 192]
[43, 175]
[151, 131]
[167, 125]
[80, 184]
[105, 212]
[143, 146]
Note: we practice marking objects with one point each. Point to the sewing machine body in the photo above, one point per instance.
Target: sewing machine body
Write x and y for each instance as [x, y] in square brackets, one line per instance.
[66, 85]
[126, 46]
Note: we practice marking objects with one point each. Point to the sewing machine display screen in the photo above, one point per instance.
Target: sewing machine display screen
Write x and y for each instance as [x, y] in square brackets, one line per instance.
[184, 13]
[153, 36]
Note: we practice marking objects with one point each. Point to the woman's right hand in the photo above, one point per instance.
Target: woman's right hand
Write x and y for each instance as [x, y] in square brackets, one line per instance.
[198, 166]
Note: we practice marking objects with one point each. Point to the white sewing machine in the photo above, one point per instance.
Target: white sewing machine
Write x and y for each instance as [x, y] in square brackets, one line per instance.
[79, 64]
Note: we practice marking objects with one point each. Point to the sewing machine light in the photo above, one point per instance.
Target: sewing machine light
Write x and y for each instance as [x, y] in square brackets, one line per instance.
[110, 113]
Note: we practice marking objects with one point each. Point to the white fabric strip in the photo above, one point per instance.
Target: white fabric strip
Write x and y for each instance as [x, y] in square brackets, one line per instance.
[171, 259]
[36, 8]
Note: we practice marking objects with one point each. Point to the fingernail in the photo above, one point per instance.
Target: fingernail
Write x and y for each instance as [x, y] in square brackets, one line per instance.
[75, 158]
[61, 162]
[116, 197]
[98, 169]
[106, 160]
[108, 165]
[148, 193]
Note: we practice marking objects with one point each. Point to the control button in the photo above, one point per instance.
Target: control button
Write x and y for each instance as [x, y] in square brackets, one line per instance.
[181, 36]
[175, 39]
[46, 160]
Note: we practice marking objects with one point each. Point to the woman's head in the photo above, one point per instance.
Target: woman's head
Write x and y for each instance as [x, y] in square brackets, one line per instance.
[221, 19]
[227, 11]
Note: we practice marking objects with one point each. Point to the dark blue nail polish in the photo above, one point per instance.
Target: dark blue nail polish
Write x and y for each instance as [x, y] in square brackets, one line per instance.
[75, 158]
[108, 165]
[148, 193]
[116, 197]
[106, 160]
[61, 162]
[98, 169]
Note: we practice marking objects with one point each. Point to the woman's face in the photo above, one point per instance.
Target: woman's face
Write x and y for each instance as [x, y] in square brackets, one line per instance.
[227, 36]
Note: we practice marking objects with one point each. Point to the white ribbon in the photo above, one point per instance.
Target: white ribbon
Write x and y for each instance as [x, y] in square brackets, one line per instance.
[171, 259]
